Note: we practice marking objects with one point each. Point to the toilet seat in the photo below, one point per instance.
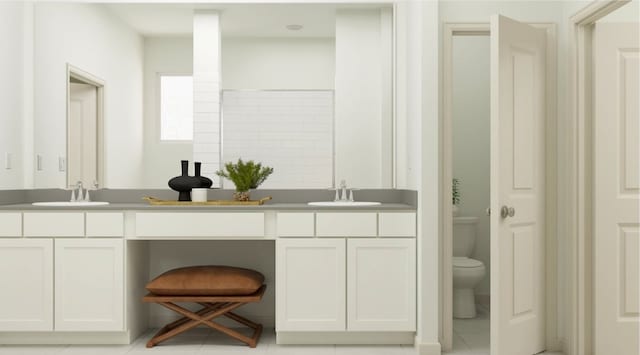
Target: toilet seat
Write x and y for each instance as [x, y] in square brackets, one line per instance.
[464, 262]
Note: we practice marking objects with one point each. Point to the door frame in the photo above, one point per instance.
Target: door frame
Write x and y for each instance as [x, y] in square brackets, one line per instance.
[446, 238]
[578, 182]
[90, 79]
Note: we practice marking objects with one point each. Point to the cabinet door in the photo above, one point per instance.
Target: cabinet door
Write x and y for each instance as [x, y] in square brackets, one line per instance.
[310, 287]
[89, 287]
[26, 276]
[381, 284]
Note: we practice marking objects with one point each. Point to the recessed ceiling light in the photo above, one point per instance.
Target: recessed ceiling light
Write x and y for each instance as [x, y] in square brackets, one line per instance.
[294, 27]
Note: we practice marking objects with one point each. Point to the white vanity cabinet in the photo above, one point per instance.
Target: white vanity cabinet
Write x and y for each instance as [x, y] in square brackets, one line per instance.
[62, 274]
[381, 284]
[89, 287]
[26, 276]
[352, 277]
[310, 285]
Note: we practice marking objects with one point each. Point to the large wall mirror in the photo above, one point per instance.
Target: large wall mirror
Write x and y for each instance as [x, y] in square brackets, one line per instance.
[305, 88]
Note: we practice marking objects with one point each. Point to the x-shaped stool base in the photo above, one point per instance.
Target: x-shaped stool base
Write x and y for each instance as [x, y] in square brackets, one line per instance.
[212, 307]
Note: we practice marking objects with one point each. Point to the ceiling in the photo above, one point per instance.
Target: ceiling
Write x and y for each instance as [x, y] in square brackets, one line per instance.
[237, 20]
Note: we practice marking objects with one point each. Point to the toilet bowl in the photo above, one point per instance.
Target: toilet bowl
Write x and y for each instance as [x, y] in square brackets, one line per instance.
[467, 272]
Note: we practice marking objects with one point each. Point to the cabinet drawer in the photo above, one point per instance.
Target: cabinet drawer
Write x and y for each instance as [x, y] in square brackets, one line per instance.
[398, 224]
[105, 224]
[239, 224]
[346, 224]
[54, 224]
[295, 224]
[10, 224]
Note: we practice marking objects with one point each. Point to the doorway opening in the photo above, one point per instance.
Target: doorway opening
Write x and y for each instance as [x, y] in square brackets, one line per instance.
[464, 94]
[85, 127]
[470, 123]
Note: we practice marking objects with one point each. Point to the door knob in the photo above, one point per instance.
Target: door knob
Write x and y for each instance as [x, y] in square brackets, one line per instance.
[507, 212]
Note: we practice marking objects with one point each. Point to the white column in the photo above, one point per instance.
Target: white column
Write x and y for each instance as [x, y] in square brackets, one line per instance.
[363, 106]
[206, 92]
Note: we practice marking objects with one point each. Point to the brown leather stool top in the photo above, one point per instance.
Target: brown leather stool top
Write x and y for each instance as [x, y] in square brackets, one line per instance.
[218, 289]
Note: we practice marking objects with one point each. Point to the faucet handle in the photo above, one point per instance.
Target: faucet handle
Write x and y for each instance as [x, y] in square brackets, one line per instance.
[351, 190]
[337, 190]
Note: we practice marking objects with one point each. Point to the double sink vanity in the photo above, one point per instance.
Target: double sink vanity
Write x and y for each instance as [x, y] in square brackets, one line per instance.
[342, 274]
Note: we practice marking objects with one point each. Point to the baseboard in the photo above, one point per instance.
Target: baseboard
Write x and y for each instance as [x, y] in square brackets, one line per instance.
[57, 338]
[428, 349]
[345, 338]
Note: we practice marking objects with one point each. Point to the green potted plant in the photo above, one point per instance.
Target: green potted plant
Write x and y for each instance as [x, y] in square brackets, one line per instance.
[455, 194]
[245, 176]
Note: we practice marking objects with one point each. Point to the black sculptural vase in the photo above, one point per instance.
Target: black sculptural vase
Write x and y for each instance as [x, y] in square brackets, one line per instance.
[205, 182]
[184, 183]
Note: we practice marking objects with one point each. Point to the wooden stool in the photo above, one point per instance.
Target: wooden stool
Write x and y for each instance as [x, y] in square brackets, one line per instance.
[218, 289]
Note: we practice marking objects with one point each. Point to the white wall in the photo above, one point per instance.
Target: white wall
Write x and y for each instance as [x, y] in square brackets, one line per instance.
[278, 63]
[627, 13]
[363, 120]
[162, 56]
[11, 93]
[92, 39]
[470, 106]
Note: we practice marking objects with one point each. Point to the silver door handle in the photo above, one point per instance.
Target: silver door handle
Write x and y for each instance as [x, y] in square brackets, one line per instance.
[507, 212]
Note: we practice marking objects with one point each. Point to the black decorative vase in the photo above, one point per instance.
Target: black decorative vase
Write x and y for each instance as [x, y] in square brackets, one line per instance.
[184, 183]
[205, 182]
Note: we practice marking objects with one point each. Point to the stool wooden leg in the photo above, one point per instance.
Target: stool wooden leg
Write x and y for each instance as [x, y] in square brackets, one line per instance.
[191, 320]
[209, 311]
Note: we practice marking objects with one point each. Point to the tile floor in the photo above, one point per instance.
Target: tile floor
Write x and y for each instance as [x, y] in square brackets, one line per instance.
[471, 337]
[205, 342]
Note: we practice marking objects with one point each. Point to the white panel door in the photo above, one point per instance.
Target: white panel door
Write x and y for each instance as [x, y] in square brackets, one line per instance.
[310, 287]
[381, 284]
[617, 188]
[82, 162]
[518, 108]
[89, 289]
[26, 276]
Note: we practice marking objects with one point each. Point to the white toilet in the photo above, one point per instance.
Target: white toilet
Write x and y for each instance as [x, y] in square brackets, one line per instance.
[467, 272]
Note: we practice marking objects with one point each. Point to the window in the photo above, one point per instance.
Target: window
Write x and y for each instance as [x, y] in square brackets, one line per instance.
[176, 108]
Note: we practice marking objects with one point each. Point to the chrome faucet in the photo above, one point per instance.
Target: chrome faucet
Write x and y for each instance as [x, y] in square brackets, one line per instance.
[343, 193]
[77, 193]
[343, 190]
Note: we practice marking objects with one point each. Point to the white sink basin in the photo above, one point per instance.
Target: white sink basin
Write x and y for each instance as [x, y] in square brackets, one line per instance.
[70, 204]
[343, 203]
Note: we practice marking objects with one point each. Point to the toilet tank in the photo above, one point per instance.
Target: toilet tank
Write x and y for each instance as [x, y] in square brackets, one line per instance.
[464, 235]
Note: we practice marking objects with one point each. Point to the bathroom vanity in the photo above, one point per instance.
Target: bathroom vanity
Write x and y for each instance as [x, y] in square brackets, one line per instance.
[79, 274]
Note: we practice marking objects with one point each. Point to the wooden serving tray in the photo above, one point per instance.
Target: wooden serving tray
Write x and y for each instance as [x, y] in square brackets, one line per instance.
[157, 202]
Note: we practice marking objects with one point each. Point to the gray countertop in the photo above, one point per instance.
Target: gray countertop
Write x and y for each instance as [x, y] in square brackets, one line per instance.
[265, 207]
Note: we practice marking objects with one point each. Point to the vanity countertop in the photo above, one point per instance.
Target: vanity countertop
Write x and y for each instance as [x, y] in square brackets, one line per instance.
[265, 207]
